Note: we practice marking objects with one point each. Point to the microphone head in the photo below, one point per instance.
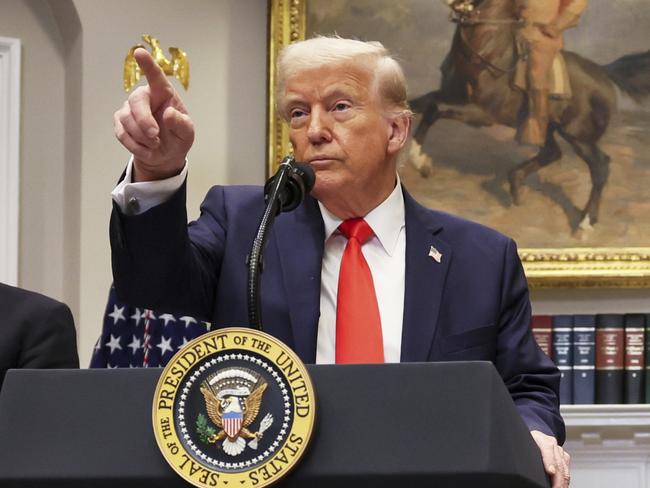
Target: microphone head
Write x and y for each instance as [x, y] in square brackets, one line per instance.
[300, 183]
[307, 174]
[297, 180]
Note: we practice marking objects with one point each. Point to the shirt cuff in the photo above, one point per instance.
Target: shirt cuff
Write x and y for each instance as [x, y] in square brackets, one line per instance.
[137, 198]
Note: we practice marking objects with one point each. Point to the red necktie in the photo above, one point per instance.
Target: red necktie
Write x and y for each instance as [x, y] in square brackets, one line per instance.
[358, 325]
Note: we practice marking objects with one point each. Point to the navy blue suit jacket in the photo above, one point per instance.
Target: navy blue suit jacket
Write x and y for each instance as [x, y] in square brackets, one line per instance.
[473, 305]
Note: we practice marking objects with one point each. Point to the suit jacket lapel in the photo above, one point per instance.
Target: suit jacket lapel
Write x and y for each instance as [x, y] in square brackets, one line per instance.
[300, 237]
[424, 280]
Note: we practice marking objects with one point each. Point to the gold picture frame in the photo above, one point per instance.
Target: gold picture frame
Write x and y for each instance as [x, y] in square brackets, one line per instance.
[584, 267]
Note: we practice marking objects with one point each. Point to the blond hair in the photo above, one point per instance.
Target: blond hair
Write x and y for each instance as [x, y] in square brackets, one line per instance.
[388, 78]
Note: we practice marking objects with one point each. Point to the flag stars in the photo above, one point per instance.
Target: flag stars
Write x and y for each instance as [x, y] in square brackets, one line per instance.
[167, 317]
[137, 316]
[165, 345]
[114, 343]
[188, 320]
[117, 314]
[135, 344]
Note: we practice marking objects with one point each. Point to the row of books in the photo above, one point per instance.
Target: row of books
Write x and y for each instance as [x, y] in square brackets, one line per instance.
[602, 358]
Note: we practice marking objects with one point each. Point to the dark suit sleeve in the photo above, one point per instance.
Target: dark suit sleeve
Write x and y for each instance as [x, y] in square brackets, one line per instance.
[49, 339]
[530, 376]
[159, 262]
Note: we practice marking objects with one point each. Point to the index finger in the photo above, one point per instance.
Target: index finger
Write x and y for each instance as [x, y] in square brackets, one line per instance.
[159, 86]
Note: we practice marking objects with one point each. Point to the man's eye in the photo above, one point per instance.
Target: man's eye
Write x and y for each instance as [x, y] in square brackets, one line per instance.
[341, 106]
[295, 113]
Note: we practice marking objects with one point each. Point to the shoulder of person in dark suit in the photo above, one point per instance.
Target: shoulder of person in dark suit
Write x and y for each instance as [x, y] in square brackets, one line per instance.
[35, 332]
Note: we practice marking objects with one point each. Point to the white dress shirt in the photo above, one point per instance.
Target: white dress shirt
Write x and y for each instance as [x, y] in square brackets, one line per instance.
[136, 198]
[386, 257]
[385, 254]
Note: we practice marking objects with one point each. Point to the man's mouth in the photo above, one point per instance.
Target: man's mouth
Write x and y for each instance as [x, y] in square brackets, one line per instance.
[320, 161]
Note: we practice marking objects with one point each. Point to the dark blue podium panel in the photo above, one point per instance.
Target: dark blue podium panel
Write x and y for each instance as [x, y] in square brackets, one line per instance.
[415, 425]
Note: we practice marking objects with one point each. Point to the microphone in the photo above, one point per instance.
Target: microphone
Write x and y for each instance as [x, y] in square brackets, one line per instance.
[290, 185]
[282, 193]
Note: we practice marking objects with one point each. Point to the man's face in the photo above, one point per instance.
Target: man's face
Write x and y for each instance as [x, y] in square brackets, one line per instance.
[338, 126]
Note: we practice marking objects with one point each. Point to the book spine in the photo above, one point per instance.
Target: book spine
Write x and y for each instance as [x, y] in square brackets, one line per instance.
[610, 357]
[563, 355]
[541, 327]
[584, 359]
[634, 358]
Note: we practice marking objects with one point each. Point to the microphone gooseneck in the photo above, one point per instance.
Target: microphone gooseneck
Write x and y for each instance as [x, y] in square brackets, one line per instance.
[282, 193]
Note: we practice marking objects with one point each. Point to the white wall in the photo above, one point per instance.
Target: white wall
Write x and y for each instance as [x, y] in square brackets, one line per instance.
[226, 46]
[41, 248]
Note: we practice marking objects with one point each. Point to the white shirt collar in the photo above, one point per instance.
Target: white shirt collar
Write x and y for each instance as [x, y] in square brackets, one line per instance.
[386, 220]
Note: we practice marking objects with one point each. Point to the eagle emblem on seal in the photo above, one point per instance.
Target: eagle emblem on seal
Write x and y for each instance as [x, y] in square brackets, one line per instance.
[233, 399]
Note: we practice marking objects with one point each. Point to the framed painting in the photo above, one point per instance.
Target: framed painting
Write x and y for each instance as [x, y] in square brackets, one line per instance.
[579, 205]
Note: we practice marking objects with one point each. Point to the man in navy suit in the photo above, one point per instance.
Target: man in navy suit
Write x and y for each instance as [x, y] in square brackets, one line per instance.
[446, 289]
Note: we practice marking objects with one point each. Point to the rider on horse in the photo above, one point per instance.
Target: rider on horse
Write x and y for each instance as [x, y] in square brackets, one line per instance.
[544, 23]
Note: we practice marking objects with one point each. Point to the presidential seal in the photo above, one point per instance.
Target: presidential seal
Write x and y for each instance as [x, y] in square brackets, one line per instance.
[234, 407]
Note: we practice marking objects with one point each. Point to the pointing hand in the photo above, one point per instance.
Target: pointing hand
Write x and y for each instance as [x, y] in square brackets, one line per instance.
[153, 125]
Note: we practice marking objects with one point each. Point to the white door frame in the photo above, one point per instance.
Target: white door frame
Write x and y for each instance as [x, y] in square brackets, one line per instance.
[9, 158]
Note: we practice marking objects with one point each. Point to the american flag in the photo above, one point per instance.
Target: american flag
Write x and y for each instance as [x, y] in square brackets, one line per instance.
[127, 333]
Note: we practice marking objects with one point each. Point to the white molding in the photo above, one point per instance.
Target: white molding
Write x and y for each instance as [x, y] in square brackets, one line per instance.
[609, 445]
[607, 416]
[9, 158]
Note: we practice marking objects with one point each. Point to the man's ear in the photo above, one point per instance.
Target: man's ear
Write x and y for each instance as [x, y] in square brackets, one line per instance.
[399, 129]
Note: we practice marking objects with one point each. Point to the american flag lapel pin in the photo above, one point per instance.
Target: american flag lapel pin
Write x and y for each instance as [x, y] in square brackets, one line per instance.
[435, 254]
